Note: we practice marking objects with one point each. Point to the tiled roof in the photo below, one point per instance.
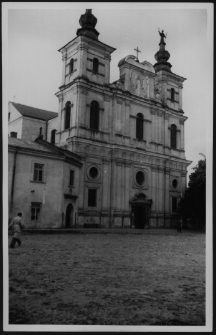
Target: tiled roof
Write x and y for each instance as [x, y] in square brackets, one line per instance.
[34, 112]
[25, 144]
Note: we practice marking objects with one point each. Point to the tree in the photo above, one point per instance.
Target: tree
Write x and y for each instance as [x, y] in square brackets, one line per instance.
[194, 203]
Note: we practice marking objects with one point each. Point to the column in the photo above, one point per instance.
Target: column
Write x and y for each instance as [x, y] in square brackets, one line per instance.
[154, 188]
[127, 182]
[166, 131]
[182, 134]
[180, 96]
[119, 185]
[160, 189]
[127, 118]
[106, 187]
[64, 58]
[81, 185]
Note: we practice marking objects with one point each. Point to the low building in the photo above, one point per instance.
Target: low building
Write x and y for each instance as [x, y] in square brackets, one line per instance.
[43, 183]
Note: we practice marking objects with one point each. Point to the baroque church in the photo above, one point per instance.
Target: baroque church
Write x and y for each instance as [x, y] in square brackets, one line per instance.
[125, 139]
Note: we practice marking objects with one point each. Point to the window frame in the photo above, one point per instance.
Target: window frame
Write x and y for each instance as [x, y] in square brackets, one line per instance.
[37, 179]
[36, 205]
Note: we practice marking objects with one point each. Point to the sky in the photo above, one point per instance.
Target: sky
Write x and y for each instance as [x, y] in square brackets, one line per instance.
[34, 32]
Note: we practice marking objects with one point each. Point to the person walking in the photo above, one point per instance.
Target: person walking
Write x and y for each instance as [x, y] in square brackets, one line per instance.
[17, 226]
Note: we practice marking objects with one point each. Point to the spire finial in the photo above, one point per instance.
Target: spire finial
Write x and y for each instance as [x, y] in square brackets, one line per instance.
[88, 22]
[162, 55]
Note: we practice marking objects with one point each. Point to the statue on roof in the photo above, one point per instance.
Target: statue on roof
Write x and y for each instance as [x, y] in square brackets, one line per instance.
[162, 35]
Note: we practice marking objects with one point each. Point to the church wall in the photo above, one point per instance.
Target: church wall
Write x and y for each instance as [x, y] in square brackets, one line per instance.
[14, 114]
[31, 128]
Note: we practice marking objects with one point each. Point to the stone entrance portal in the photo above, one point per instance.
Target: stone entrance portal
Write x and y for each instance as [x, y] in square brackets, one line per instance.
[140, 207]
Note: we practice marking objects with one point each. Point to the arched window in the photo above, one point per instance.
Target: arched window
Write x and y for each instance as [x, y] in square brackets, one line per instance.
[173, 136]
[71, 65]
[95, 65]
[94, 115]
[67, 114]
[172, 94]
[53, 136]
[139, 126]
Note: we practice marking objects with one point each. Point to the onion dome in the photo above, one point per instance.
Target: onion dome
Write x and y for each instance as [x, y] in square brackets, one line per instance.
[88, 22]
[162, 56]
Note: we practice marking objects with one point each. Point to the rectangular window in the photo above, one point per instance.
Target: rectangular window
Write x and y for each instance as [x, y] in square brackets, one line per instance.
[8, 117]
[71, 178]
[92, 198]
[13, 134]
[174, 205]
[38, 172]
[35, 210]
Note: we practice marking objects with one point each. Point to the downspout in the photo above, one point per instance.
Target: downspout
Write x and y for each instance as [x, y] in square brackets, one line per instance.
[13, 179]
[111, 189]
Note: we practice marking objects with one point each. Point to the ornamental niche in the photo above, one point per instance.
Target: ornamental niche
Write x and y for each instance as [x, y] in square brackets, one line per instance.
[139, 85]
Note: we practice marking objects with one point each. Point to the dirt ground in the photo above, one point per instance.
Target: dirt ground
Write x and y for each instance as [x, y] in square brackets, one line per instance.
[154, 277]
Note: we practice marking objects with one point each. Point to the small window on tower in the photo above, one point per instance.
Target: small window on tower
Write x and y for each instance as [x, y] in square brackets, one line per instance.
[95, 65]
[172, 94]
[67, 114]
[8, 117]
[71, 65]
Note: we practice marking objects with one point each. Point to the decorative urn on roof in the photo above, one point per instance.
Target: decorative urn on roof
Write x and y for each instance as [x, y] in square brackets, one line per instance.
[88, 22]
[162, 55]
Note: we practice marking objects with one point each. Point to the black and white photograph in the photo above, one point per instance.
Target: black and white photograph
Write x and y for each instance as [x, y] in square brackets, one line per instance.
[107, 166]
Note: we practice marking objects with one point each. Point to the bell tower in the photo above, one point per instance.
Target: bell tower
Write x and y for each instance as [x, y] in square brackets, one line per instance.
[86, 62]
[167, 83]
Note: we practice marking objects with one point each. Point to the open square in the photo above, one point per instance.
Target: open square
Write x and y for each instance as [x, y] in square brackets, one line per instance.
[148, 277]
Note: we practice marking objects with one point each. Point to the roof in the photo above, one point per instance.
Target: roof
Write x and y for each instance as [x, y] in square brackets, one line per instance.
[40, 145]
[34, 112]
[25, 144]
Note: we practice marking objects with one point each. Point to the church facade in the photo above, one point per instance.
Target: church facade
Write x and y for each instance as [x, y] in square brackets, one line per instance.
[127, 138]
[129, 134]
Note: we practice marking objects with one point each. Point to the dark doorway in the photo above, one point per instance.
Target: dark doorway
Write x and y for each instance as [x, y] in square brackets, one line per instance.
[69, 216]
[139, 217]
